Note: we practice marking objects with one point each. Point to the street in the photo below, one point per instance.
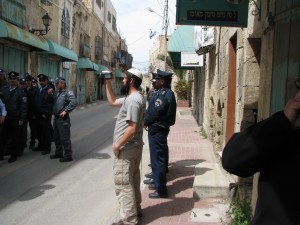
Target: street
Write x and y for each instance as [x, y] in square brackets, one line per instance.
[42, 191]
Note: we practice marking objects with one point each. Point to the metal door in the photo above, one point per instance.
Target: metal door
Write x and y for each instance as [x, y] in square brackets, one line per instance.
[49, 67]
[286, 61]
[12, 59]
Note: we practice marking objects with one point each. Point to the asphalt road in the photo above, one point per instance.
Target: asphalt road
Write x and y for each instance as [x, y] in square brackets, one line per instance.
[37, 190]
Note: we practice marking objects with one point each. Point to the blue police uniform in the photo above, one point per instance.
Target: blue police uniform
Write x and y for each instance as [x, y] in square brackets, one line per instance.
[160, 115]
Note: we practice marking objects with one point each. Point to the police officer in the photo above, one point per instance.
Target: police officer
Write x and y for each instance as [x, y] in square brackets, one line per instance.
[3, 113]
[16, 105]
[3, 82]
[31, 91]
[160, 115]
[44, 107]
[64, 103]
[23, 134]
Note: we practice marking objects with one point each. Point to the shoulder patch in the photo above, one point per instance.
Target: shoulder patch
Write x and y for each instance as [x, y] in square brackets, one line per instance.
[158, 102]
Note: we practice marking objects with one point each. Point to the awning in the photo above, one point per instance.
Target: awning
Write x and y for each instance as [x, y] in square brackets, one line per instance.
[119, 74]
[12, 32]
[86, 64]
[101, 68]
[182, 40]
[65, 53]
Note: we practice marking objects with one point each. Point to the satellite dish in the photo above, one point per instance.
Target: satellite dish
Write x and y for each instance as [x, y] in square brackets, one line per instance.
[236, 2]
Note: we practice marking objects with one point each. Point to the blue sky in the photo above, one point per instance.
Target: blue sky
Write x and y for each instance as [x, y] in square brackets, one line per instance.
[134, 22]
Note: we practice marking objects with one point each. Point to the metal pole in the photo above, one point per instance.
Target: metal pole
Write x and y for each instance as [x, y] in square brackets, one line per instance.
[166, 23]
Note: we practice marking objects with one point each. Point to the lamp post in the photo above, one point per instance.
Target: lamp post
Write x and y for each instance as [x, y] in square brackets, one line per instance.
[164, 27]
[46, 21]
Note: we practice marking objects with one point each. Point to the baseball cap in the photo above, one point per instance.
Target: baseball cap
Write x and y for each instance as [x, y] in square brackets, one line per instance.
[136, 73]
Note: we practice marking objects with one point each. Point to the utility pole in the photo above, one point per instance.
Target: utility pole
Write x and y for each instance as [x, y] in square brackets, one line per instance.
[165, 26]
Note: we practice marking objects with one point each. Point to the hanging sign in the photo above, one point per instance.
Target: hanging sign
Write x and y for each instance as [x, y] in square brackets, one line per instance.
[227, 13]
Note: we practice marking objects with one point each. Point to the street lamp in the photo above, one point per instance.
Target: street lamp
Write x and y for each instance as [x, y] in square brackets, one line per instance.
[165, 26]
[46, 21]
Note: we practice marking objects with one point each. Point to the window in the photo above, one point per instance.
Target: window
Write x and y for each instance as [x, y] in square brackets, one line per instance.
[114, 24]
[65, 23]
[98, 2]
[108, 17]
[98, 47]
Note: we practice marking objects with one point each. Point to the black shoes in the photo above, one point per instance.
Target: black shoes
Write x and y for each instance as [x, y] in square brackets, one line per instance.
[66, 159]
[12, 159]
[157, 195]
[148, 175]
[149, 181]
[151, 187]
[45, 152]
[56, 156]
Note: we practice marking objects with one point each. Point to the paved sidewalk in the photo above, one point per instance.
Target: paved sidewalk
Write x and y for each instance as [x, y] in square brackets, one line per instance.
[187, 150]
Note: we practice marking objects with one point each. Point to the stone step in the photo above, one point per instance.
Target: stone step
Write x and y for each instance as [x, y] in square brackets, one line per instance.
[210, 181]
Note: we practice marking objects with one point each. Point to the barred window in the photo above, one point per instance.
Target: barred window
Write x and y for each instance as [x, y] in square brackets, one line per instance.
[65, 23]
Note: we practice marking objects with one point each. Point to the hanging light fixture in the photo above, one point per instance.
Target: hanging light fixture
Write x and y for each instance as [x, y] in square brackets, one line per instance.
[46, 21]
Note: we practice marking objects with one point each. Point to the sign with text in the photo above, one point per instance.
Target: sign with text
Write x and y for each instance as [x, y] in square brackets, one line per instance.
[191, 59]
[227, 13]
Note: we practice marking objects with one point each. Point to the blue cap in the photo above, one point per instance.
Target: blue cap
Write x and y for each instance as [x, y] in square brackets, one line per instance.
[43, 77]
[2, 72]
[60, 79]
[13, 74]
[161, 74]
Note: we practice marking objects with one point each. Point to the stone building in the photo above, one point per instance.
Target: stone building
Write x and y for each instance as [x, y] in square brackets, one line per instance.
[80, 42]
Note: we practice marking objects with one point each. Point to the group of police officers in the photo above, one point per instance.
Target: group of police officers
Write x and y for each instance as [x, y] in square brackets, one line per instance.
[23, 101]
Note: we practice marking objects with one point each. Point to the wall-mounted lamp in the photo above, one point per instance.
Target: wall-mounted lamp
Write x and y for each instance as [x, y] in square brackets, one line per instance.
[46, 21]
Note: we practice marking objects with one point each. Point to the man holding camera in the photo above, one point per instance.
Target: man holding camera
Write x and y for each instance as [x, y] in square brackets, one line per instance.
[128, 145]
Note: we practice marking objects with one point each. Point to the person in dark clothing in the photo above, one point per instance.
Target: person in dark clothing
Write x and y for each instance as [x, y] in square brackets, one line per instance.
[271, 148]
[31, 92]
[44, 107]
[16, 105]
[3, 82]
[64, 103]
[160, 115]
[3, 113]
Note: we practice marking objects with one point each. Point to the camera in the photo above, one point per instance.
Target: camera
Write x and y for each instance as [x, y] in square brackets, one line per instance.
[106, 74]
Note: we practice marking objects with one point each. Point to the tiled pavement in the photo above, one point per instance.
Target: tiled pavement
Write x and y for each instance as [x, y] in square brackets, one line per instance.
[187, 149]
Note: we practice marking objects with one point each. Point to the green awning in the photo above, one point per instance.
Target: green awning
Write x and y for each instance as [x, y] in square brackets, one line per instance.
[12, 32]
[86, 64]
[101, 68]
[182, 40]
[119, 73]
[65, 53]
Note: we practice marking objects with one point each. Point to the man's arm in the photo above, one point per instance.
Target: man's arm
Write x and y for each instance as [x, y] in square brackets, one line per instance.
[128, 135]
[113, 101]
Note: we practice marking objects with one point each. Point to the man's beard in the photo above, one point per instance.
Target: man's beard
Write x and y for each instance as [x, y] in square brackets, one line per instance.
[125, 89]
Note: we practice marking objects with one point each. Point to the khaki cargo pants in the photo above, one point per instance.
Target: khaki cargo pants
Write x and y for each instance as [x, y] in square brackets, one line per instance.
[127, 180]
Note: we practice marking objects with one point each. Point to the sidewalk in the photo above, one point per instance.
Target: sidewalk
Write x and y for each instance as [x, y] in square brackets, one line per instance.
[190, 154]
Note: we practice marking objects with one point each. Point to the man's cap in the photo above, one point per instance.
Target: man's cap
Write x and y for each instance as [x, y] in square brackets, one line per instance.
[23, 80]
[161, 74]
[28, 77]
[43, 77]
[13, 74]
[2, 72]
[34, 80]
[60, 79]
[136, 73]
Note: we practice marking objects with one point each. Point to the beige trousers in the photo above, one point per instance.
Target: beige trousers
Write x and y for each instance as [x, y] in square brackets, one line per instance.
[127, 179]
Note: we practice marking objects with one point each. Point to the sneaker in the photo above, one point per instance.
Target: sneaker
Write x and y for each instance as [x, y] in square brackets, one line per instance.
[66, 159]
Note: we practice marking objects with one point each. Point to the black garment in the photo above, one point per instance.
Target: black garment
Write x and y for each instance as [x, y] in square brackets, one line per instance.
[31, 115]
[44, 107]
[272, 148]
[15, 101]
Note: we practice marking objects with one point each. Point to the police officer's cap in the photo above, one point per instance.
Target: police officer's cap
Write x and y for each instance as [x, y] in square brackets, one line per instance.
[34, 80]
[43, 77]
[161, 74]
[23, 80]
[28, 77]
[60, 79]
[2, 72]
[13, 74]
